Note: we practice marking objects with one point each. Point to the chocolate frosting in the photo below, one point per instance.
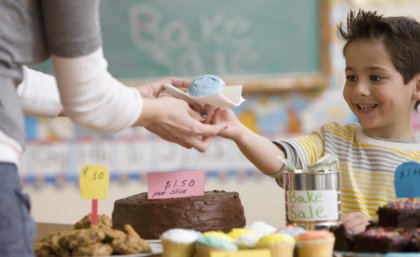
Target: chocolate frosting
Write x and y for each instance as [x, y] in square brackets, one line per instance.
[215, 210]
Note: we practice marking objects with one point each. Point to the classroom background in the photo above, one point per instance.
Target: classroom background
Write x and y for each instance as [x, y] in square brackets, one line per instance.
[57, 149]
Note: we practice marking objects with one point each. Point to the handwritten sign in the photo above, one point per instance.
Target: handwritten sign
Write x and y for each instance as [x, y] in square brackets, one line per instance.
[242, 253]
[162, 185]
[407, 180]
[312, 205]
[94, 182]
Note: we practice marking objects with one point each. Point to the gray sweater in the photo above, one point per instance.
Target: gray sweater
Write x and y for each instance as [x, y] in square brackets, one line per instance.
[32, 30]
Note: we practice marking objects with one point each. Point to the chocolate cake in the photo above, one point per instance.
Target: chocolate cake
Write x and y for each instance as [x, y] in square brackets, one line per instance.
[414, 245]
[404, 214]
[343, 239]
[381, 240]
[397, 229]
[215, 210]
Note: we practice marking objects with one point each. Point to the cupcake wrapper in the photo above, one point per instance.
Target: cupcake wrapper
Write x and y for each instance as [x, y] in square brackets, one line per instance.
[173, 249]
[316, 248]
[281, 250]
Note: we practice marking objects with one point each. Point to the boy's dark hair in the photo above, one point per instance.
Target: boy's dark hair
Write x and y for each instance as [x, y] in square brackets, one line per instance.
[400, 36]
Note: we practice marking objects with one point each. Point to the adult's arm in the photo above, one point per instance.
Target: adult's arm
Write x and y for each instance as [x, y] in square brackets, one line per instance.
[39, 95]
[92, 97]
[89, 94]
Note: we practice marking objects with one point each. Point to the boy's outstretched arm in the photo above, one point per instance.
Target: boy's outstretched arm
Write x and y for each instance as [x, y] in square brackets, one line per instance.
[261, 151]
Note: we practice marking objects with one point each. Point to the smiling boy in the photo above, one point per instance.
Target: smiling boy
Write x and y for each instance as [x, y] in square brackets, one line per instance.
[382, 89]
[382, 76]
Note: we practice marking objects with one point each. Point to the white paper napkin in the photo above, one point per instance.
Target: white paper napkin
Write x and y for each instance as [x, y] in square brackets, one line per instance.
[231, 97]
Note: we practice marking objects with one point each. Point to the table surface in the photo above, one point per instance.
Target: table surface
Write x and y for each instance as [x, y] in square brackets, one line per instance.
[44, 228]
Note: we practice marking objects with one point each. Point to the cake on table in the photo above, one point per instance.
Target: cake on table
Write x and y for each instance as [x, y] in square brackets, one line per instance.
[343, 239]
[215, 210]
[397, 230]
[414, 245]
[405, 214]
[381, 240]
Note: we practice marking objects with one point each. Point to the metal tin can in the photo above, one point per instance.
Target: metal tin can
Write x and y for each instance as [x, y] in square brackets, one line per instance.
[312, 198]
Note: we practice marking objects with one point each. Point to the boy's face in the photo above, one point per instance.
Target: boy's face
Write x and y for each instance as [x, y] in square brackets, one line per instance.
[375, 91]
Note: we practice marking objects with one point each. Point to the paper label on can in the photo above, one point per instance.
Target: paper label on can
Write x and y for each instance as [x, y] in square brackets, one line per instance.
[312, 205]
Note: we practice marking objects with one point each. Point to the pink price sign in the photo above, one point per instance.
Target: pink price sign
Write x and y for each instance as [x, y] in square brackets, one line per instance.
[161, 185]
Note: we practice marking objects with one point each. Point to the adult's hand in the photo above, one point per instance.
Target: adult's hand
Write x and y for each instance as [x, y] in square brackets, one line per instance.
[153, 89]
[172, 119]
[176, 122]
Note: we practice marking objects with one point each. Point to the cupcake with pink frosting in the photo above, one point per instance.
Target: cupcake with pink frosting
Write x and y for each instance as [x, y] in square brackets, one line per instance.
[318, 243]
[292, 230]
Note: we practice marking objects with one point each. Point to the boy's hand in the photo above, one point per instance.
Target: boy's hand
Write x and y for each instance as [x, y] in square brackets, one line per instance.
[355, 222]
[228, 118]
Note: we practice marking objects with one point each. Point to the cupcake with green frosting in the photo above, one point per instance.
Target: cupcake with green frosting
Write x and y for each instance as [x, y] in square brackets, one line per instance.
[214, 241]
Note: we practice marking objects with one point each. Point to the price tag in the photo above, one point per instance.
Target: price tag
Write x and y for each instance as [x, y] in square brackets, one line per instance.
[242, 253]
[94, 182]
[407, 180]
[161, 185]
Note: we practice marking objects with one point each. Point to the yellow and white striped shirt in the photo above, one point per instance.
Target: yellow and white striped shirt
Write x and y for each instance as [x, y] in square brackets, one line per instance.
[367, 165]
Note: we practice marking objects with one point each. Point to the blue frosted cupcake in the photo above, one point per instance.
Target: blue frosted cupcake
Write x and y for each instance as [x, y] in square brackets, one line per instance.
[205, 85]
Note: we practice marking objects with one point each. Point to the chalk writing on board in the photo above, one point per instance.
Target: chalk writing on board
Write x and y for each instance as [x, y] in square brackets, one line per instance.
[171, 43]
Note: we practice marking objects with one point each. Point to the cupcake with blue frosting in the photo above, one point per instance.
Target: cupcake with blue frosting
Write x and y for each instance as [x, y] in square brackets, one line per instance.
[205, 85]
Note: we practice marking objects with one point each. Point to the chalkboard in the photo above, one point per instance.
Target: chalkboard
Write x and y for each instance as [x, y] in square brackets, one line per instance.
[266, 45]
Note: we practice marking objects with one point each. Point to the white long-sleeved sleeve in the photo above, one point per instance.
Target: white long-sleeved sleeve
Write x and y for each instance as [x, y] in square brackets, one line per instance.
[39, 94]
[92, 97]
